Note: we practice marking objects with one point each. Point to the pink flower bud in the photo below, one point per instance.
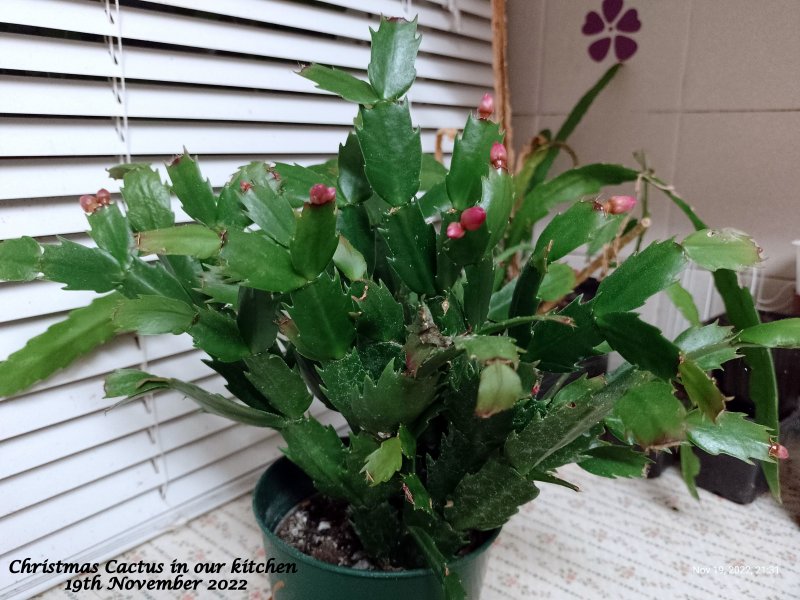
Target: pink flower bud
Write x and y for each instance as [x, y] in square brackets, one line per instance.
[486, 106]
[616, 205]
[455, 231]
[320, 194]
[778, 451]
[89, 203]
[103, 197]
[472, 218]
[498, 156]
[245, 186]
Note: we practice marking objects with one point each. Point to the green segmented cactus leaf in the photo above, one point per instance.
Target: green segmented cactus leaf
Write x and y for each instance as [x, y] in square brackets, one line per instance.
[284, 387]
[778, 334]
[545, 435]
[568, 186]
[412, 244]
[571, 229]
[380, 316]
[353, 185]
[184, 240]
[394, 49]
[701, 389]
[499, 390]
[690, 469]
[557, 282]
[487, 499]
[257, 318]
[19, 259]
[269, 210]
[641, 275]
[145, 279]
[154, 315]
[478, 291]
[340, 83]
[147, 199]
[640, 343]
[470, 162]
[394, 399]
[383, 463]
[323, 328]
[133, 383]
[733, 434]
[721, 249]
[259, 262]
[79, 267]
[392, 151]
[81, 332]
[296, 182]
[218, 335]
[497, 199]
[315, 241]
[110, 230]
[709, 346]
[194, 192]
[649, 415]
[615, 461]
[450, 580]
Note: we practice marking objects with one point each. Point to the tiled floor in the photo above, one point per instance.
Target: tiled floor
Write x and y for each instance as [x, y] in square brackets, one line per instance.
[621, 540]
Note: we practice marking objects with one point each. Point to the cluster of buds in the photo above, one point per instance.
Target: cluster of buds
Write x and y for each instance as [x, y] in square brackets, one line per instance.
[486, 107]
[320, 194]
[617, 205]
[471, 219]
[90, 203]
[498, 156]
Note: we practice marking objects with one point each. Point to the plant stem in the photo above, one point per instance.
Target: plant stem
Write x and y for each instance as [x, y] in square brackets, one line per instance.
[495, 327]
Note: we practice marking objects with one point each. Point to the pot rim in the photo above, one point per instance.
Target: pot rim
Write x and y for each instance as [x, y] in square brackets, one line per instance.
[349, 571]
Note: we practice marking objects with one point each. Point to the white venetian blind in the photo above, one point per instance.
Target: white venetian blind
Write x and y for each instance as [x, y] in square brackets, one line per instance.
[85, 84]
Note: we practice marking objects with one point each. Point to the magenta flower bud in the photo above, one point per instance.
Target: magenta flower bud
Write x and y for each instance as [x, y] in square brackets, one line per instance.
[472, 218]
[778, 451]
[486, 106]
[455, 231]
[616, 205]
[245, 186]
[320, 194]
[89, 203]
[103, 197]
[498, 156]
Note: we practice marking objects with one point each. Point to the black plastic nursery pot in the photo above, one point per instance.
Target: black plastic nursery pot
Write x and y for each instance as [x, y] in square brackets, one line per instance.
[280, 489]
[731, 478]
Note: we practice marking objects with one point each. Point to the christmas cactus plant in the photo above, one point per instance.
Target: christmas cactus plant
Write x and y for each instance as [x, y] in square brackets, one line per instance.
[415, 310]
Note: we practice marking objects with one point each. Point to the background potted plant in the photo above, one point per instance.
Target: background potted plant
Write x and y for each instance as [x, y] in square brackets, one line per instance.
[329, 279]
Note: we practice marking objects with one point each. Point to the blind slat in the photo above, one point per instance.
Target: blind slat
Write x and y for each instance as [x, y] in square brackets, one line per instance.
[191, 32]
[81, 16]
[39, 410]
[52, 55]
[63, 97]
[332, 22]
[56, 55]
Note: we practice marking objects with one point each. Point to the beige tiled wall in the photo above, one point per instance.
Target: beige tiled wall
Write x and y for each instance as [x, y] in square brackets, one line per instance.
[712, 96]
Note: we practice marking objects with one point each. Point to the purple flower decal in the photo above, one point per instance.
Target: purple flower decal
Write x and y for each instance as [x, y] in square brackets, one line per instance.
[610, 24]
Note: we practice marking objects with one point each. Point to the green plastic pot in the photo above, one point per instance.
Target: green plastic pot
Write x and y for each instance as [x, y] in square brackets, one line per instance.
[279, 490]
